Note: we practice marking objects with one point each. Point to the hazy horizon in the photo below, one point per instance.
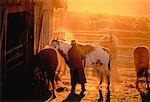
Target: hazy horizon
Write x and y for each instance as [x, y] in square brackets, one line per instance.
[123, 7]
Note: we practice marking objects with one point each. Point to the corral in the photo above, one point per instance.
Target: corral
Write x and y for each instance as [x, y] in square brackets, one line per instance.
[28, 25]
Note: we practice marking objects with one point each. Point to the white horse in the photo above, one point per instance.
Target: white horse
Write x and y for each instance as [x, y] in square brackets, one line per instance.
[90, 55]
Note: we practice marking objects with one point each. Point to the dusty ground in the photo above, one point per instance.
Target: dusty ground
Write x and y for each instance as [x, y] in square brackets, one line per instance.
[122, 88]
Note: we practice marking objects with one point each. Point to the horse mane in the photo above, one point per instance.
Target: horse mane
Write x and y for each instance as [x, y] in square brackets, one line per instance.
[64, 42]
[63, 55]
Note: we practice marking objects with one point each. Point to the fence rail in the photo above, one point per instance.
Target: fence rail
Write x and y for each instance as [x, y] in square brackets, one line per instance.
[127, 41]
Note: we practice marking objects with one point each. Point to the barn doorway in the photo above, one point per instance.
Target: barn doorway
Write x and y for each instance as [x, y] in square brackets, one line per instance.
[15, 40]
[16, 57]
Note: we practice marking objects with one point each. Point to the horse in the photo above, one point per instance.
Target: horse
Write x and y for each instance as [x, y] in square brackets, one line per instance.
[110, 41]
[141, 62]
[48, 66]
[89, 53]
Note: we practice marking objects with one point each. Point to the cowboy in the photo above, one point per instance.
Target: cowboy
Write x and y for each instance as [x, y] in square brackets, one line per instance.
[76, 70]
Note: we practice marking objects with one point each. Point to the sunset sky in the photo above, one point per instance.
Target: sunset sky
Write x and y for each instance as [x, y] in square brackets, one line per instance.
[124, 7]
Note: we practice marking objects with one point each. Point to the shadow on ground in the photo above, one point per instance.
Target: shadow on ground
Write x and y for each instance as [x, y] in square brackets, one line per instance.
[73, 97]
[145, 96]
[101, 99]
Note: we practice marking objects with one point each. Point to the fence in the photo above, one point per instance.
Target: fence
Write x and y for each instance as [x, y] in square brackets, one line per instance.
[120, 42]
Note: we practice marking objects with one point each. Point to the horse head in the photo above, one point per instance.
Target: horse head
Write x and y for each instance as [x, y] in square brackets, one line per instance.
[55, 43]
[62, 47]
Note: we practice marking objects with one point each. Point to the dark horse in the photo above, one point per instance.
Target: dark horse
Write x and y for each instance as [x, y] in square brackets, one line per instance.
[47, 63]
[141, 62]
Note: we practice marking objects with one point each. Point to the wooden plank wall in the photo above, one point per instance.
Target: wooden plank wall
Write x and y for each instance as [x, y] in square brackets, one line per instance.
[42, 24]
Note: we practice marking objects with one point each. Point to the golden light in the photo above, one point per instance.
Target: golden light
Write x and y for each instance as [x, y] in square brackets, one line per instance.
[126, 7]
[68, 35]
[65, 34]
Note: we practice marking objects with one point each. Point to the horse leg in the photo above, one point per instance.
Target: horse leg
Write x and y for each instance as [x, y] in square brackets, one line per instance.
[51, 85]
[137, 82]
[101, 77]
[46, 87]
[108, 80]
[53, 91]
[146, 76]
[108, 73]
[101, 80]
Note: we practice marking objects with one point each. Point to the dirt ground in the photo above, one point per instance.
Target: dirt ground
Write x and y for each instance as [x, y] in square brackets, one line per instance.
[122, 88]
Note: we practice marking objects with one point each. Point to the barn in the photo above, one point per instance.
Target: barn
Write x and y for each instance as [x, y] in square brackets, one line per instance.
[26, 27]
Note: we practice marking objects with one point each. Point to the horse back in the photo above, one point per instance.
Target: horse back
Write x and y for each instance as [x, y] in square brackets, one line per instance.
[141, 60]
[141, 56]
[47, 59]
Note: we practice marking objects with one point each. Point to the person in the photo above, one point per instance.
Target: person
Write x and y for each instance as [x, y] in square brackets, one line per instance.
[76, 69]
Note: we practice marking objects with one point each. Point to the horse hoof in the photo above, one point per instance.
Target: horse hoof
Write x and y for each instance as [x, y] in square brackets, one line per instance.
[50, 99]
[53, 96]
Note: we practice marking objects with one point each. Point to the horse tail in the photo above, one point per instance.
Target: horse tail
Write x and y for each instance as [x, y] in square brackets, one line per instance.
[109, 64]
[84, 61]
[109, 71]
[109, 60]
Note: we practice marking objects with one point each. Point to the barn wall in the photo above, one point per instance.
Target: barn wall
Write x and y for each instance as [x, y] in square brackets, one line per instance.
[37, 28]
[42, 24]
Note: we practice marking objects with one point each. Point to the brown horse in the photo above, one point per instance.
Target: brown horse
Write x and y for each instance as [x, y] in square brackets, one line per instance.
[141, 61]
[48, 66]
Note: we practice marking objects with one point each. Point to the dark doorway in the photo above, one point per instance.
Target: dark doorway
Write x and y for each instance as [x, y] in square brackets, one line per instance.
[18, 79]
[15, 40]
[15, 29]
